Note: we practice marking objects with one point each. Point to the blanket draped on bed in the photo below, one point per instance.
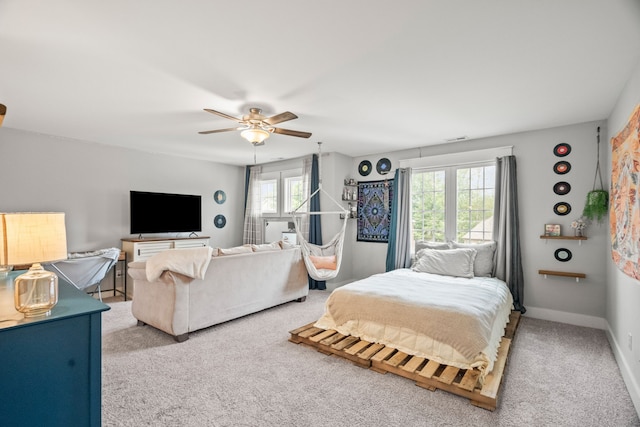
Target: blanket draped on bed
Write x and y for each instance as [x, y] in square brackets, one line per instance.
[458, 312]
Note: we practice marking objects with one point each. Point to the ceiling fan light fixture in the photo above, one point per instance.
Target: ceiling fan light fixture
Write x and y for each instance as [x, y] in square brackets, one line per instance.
[255, 135]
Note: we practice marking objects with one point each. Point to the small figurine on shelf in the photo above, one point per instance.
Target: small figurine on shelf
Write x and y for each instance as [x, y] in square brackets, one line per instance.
[579, 226]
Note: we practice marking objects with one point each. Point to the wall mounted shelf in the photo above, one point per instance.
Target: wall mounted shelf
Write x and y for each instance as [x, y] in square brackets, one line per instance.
[577, 276]
[578, 238]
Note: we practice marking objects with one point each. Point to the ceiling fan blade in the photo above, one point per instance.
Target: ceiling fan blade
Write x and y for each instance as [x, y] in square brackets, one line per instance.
[206, 132]
[226, 116]
[279, 118]
[292, 132]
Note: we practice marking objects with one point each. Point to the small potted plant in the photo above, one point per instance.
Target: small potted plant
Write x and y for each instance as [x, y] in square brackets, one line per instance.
[579, 226]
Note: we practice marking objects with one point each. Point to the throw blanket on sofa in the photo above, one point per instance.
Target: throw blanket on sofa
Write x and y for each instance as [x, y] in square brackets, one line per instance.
[191, 262]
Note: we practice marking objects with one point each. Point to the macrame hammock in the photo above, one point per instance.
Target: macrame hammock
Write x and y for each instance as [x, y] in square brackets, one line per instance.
[597, 202]
[322, 261]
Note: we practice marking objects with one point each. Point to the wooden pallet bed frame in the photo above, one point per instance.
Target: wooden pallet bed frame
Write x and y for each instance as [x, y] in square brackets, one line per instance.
[426, 373]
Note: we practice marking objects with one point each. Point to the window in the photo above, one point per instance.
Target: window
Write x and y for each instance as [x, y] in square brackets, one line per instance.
[281, 192]
[453, 203]
[269, 196]
[293, 196]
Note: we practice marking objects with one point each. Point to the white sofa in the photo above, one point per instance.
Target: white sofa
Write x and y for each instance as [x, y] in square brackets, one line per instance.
[233, 286]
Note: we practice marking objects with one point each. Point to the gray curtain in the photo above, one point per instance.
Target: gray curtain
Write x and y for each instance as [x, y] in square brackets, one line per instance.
[252, 212]
[506, 230]
[399, 247]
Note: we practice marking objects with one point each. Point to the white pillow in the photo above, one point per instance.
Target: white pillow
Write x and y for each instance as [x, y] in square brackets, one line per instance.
[483, 265]
[446, 262]
[423, 244]
[236, 250]
[275, 246]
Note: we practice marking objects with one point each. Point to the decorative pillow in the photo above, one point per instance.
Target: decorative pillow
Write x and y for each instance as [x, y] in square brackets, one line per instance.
[236, 250]
[423, 244]
[286, 245]
[446, 262]
[275, 246]
[483, 265]
[324, 262]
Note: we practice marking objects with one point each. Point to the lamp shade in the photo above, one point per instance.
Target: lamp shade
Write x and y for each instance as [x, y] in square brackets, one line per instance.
[32, 237]
[255, 135]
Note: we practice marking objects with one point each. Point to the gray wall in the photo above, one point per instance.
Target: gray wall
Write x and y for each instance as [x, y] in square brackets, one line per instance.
[91, 183]
[623, 292]
[553, 298]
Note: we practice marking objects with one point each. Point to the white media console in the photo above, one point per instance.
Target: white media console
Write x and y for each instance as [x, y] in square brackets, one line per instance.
[143, 249]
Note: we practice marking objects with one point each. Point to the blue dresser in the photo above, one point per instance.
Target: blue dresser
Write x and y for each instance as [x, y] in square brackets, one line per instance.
[50, 367]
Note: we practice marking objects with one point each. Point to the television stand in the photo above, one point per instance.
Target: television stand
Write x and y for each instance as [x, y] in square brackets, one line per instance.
[142, 249]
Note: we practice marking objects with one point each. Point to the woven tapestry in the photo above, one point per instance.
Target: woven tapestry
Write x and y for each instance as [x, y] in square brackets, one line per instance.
[374, 210]
[624, 213]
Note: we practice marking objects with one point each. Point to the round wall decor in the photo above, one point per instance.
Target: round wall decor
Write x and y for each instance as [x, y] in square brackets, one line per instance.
[219, 197]
[562, 254]
[383, 166]
[562, 208]
[364, 168]
[562, 167]
[562, 150]
[219, 221]
[561, 188]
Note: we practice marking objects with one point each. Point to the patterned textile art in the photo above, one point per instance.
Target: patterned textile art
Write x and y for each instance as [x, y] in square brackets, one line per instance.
[624, 212]
[374, 210]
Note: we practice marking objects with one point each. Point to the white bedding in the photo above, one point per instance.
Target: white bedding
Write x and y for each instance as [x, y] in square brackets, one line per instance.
[452, 320]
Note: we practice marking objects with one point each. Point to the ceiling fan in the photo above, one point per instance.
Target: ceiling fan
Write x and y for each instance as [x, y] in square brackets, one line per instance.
[256, 127]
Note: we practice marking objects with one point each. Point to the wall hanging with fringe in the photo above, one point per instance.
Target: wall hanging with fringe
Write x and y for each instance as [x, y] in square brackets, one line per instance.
[624, 219]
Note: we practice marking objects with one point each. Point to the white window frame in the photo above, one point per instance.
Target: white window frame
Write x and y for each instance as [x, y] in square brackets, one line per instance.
[280, 177]
[450, 163]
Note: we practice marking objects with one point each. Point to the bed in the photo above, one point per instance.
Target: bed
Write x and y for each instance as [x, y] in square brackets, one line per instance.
[446, 310]
[452, 320]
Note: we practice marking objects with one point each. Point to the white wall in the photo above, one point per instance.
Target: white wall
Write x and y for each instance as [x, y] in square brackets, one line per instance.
[552, 298]
[91, 183]
[623, 292]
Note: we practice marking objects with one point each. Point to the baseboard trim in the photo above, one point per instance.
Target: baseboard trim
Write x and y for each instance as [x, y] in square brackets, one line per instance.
[625, 369]
[565, 317]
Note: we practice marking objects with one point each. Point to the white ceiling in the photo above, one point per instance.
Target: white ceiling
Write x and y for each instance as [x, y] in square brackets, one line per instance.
[364, 77]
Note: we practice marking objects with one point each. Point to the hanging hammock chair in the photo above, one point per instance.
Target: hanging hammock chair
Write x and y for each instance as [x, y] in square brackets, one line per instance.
[322, 261]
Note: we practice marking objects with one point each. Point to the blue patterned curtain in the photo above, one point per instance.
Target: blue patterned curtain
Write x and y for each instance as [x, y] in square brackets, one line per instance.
[399, 246]
[315, 225]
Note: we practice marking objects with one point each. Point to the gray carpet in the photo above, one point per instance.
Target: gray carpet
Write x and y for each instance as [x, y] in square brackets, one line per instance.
[246, 373]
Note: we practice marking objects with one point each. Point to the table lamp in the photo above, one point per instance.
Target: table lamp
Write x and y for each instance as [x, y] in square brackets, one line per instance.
[32, 238]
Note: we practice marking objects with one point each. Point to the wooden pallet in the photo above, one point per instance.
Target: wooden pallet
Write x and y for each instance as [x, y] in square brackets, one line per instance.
[426, 373]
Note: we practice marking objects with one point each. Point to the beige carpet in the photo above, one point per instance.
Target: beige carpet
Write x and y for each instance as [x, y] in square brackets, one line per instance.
[246, 373]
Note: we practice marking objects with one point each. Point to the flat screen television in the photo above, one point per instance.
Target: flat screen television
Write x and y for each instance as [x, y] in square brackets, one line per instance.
[164, 213]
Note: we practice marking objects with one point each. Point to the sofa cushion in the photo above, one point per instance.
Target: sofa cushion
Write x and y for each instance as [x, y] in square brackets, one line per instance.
[235, 250]
[275, 246]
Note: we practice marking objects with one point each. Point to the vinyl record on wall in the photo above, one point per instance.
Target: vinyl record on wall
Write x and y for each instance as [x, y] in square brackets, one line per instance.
[219, 197]
[562, 150]
[561, 188]
[364, 168]
[383, 166]
[562, 208]
[219, 221]
[562, 254]
[562, 167]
